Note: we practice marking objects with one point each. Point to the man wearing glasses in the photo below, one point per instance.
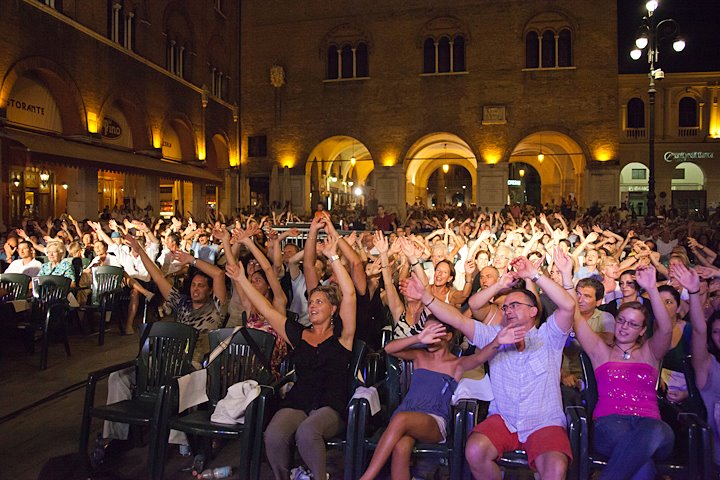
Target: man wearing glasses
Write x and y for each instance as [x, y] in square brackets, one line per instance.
[527, 409]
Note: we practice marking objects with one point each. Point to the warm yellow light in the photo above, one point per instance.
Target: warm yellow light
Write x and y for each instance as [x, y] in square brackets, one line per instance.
[603, 154]
[156, 138]
[388, 161]
[522, 172]
[446, 168]
[352, 161]
[201, 152]
[492, 155]
[92, 122]
[234, 159]
[288, 161]
[541, 157]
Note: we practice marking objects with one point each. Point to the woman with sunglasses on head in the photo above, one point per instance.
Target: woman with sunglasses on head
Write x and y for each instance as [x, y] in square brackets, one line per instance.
[627, 424]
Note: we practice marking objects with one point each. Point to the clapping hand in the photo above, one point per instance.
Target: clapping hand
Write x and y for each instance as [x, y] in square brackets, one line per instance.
[432, 333]
[686, 277]
[645, 277]
[412, 287]
[235, 272]
[381, 242]
[183, 257]
[510, 334]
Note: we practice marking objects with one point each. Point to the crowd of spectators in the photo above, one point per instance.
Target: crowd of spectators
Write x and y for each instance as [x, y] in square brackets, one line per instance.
[529, 288]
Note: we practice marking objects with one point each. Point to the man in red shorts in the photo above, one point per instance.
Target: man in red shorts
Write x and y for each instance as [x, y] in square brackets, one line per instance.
[527, 409]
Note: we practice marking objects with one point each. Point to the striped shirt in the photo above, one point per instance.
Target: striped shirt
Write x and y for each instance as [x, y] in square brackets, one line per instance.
[526, 385]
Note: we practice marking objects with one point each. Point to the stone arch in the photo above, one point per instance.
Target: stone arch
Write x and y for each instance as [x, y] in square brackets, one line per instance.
[431, 152]
[693, 179]
[559, 159]
[59, 83]
[131, 106]
[346, 33]
[554, 19]
[443, 26]
[183, 129]
[330, 168]
[218, 152]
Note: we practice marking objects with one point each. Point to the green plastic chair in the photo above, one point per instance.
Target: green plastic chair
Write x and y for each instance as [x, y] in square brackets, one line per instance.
[105, 296]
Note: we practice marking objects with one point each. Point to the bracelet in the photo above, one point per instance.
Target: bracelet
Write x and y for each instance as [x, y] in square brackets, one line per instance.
[385, 266]
[429, 303]
[568, 287]
[536, 277]
[412, 265]
[194, 262]
[694, 293]
[334, 257]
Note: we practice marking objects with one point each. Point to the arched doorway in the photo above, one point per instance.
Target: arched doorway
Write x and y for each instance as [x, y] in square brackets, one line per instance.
[634, 187]
[689, 197]
[337, 173]
[437, 161]
[453, 187]
[558, 161]
[524, 184]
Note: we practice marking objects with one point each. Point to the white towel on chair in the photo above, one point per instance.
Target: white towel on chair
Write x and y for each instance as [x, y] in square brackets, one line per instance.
[231, 409]
[469, 388]
[371, 395]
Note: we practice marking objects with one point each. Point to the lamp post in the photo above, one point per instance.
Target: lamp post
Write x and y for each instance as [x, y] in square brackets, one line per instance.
[650, 34]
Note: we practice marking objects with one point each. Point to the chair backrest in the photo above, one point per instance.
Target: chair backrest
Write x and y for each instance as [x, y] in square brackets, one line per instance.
[105, 279]
[359, 352]
[85, 262]
[166, 352]
[16, 284]
[237, 362]
[50, 287]
[589, 394]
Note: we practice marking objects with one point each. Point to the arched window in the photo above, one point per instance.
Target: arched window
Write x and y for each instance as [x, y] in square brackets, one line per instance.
[548, 49]
[564, 49]
[348, 53]
[635, 113]
[443, 53]
[532, 50]
[548, 41]
[333, 62]
[347, 62]
[429, 56]
[688, 113]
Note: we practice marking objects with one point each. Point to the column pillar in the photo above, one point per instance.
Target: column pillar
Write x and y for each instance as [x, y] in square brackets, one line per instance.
[491, 186]
[82, 193]
[390, 188]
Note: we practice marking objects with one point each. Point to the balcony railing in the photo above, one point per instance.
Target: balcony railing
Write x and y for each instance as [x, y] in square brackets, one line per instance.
[688, 131]
[635, 132]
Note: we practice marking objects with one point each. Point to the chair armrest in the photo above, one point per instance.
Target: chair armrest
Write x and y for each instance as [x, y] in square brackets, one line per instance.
[94, 377]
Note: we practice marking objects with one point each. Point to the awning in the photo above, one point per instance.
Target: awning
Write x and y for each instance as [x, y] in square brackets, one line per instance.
[76, 153]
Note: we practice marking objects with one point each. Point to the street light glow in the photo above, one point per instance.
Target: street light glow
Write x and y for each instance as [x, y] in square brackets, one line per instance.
[679, 45]
[641, 41]
[635, 53]
[651, 6]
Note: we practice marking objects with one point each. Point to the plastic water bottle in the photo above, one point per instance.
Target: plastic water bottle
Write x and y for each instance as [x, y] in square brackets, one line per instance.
[219, 472]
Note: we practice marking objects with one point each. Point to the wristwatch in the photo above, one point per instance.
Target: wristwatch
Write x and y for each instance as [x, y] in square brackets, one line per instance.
[334, 257]
[537, 276]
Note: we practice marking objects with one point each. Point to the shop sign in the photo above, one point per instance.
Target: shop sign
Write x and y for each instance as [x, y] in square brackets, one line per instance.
[514, 183]
[31, 104]
[111, 128]
[638, 188]
[686, 156]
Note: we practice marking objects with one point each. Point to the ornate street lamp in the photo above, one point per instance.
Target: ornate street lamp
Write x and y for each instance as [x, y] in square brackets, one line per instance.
[650, 34]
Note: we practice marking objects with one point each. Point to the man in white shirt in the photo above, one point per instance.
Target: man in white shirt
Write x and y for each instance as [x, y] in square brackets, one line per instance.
[26, 264]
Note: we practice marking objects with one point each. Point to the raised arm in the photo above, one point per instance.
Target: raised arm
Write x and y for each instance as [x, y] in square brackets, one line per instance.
[348, 305]
[355, 263]
[157, 276]
[212, 271]
[414, 289]
[591, 237]
[429, 335]
[701, 359]
[659, 343]
[310, 254]
[395, 304]
[459, 296]
[565, 311]
[508, 335]
[262, 305]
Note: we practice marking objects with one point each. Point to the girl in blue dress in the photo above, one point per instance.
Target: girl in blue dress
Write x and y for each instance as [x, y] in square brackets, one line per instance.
[424, 413]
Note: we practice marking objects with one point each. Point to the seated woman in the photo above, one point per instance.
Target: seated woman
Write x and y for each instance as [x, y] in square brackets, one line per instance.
[56, 264]
[627, 424]
[314, 408]
[425, 411]
[265, 281]
[672, 375]
[705, 348]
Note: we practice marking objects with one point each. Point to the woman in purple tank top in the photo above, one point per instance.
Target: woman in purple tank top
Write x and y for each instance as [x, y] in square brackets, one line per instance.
[627, 425]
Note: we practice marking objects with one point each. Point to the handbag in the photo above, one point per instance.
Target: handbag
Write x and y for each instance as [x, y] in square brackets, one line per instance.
[192, 386]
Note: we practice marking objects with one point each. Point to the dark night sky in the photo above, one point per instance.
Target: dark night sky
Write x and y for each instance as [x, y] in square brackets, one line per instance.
[699, 24]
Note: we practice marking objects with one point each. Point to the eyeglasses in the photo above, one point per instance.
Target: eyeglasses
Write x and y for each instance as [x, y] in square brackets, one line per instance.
[513, 306]
[630, 324]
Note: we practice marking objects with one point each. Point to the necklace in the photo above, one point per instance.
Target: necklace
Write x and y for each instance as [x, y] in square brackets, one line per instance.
[626, 353]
